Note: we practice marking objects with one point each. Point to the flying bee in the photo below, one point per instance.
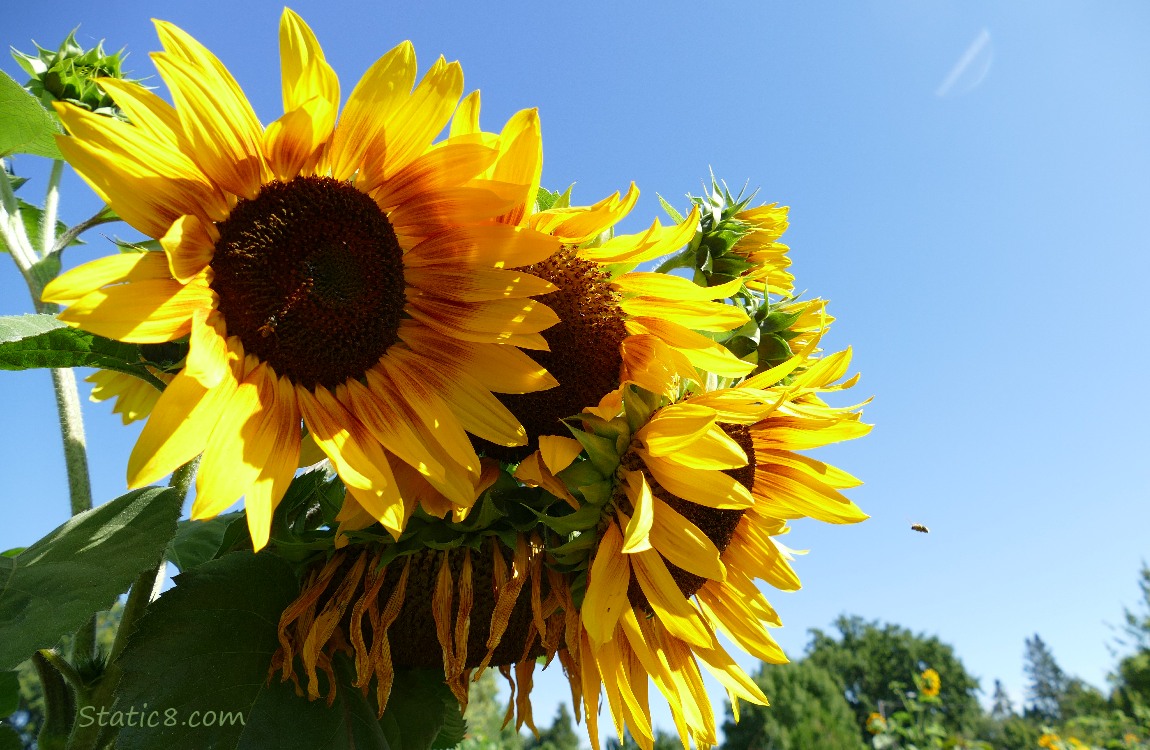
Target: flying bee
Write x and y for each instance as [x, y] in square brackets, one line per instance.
[919, 528]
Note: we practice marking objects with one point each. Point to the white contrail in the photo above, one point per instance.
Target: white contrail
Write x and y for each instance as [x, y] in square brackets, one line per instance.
[976, 48]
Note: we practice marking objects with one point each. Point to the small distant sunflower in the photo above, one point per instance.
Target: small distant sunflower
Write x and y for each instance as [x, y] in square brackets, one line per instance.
[931, 683]
[1049, 741]
[347, 278]
[876, 723]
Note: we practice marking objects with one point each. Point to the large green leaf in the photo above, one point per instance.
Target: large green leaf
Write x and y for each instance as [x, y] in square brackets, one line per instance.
[25, 126]
[9, 693]
[10, 740]
[205, 646]
[196, 542]
[53, 587]
[30, 341]
[422, 712]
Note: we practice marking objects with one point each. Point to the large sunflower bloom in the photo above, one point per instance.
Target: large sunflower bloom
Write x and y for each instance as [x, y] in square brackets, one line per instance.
[347, 278]
[616, 325]
[702, 489]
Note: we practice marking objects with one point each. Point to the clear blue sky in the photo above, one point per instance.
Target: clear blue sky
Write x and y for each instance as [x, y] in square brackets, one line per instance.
[964, 180]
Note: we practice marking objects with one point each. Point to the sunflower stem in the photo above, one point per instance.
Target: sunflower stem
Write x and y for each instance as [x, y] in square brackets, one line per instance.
[51, 208]
[12, 228]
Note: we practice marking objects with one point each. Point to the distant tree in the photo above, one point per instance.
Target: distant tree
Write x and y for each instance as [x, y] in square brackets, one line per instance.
[1002, 707]
[867, 657]
[1136, 623]
[1131, 678]
[1047, 685]
[485, 730]
[1131, 682]
[807, 710]
[559, 736]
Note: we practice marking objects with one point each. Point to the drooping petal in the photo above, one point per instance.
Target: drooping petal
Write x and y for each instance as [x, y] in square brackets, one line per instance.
[607, 582]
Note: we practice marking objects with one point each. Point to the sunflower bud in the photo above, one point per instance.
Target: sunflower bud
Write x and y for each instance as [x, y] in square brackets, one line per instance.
[70, 74]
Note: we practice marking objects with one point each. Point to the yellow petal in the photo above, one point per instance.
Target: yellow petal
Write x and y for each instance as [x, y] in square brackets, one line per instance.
[189, 244]
[698, 316]
[637, 538]
[359, 459]
[711, 488]
[520, 161]
[385, 85]
[494, 245]
[144, 312]
[283, 427]
[112, 269]
[673, 609]
[671, 287]
[714, 449]
[674, 428]
[476, 284]
[499, 368]
[701, 351]
[684, 544]
[558, 452]
[222, 129]
[607, 582]
[179, 427]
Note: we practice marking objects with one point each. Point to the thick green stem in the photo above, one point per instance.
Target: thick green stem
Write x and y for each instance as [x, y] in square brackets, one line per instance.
[12, 229]
[51, 207]
[75, 445]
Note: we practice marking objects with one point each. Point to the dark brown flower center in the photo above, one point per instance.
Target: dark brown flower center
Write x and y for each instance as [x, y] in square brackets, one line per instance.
[716, 523]
[310, 278]
[584, 355]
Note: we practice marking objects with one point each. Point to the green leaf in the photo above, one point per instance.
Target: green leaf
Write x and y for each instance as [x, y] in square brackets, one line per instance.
[9, 693]
[54, 586]
[25, 126]
[10, 740]
[205, 645]
[280, 718]
[30, 341]
[196, 542]
[418, 710]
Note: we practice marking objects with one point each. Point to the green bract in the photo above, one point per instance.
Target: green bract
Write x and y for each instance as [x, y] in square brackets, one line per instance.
[69, 74]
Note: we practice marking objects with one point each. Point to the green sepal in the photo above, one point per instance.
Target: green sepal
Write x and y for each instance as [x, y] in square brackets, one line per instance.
[583, 519]
[596, 494]
[671, 211]
[779, 321]
[582, 473]
[600, 450]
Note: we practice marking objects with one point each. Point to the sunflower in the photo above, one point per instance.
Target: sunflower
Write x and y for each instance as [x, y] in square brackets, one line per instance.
[687, 501]
[931, 683]
[876, 723]
[347, 279]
